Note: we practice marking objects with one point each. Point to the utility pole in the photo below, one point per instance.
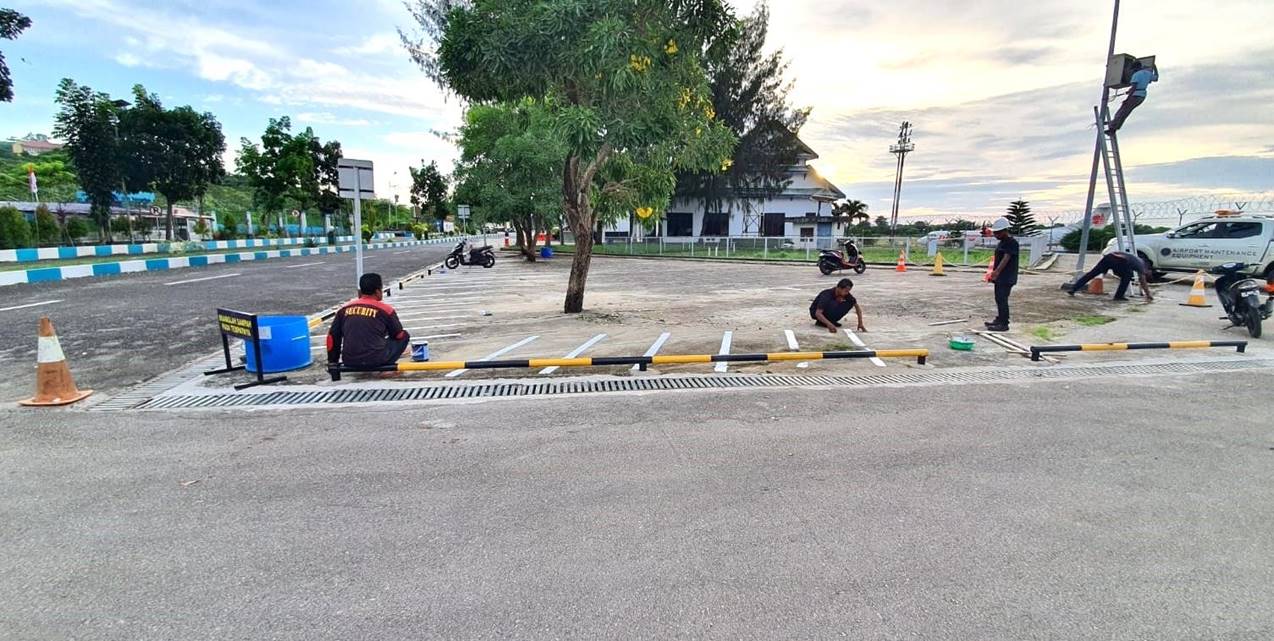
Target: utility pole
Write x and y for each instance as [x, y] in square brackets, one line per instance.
[1097, 154]
[900, 149]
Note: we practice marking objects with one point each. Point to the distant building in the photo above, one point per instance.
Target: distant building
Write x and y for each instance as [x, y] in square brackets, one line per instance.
[34, 145]
[803, 209]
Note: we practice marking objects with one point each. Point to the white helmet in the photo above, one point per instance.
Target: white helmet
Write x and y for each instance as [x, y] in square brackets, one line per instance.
[1002, 224]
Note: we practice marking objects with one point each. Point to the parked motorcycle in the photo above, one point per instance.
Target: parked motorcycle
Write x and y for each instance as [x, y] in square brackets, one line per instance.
[830, 260]
[484, 256]
[1240, 295]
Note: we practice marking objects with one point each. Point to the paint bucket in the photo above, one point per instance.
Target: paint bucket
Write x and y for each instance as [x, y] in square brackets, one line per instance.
[420, 351]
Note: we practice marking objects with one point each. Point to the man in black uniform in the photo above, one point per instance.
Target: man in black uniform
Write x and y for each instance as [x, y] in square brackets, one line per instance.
[831, 305]
[1005, 274]
[366, 331]
[1126, 266]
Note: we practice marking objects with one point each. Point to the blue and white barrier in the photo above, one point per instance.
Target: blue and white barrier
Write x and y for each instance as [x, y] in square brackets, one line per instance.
[40, 275]
[31, 255]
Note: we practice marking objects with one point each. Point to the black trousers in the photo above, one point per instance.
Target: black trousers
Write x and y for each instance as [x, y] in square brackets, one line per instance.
[1106, 264]
[1125, 110]
[1002, 291]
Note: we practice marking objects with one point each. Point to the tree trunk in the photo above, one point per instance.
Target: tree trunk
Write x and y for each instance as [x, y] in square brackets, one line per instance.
[169, 223]
[580, 262]
[526, 239]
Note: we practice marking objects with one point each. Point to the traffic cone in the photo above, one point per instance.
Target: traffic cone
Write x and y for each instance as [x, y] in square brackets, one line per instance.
[1198, 293]
[902, 262]
[1097, 286]
[53, 382]
[937, 266]
[990, 269]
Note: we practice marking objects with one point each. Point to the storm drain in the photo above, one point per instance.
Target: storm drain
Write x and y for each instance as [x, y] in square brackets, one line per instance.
[517, 389]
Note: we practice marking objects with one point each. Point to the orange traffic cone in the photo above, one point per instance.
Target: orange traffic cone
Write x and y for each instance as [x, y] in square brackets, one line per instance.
[53, 382]
[1097, 286]
[902, 262]
[990, 269]
[1198, 293]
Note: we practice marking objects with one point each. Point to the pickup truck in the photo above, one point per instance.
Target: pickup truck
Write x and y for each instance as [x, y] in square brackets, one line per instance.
[1209, 242]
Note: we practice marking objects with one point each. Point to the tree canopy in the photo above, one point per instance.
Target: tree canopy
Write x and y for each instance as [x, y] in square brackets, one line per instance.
[291, 171]
[1021, 221]
[12, 24]
[87, 121]
[622, 82]
[429, 191]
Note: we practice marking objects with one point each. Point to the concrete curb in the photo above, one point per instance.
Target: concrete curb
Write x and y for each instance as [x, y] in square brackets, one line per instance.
[33, 254]
[48, 274]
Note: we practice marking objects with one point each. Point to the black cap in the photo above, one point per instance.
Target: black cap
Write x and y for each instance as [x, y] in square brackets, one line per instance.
[370, 283]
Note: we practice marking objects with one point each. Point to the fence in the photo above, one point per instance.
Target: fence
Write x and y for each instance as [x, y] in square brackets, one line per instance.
[968, 251]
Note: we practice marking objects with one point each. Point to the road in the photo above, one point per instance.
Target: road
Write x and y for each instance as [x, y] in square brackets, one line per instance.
[120, 331]
[1007, 511]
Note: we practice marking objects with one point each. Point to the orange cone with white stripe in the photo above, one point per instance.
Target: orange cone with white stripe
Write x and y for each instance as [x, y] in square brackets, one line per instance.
[53, 383]
[1198, 293]
[902, 262]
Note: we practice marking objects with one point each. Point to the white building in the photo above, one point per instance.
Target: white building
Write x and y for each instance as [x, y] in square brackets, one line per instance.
[804, 210]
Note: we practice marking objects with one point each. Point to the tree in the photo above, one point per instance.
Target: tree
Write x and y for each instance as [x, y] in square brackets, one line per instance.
[175, 152]
[76, 228]
[508, 168]
[201, 228]
[750, 97]
[622, 81]
[429, 191]
[882, 223]
[281, 169]
[56, 180]
[46, 226]
[1021, 222]
[87, 122]
[12, 24]
[853, 210]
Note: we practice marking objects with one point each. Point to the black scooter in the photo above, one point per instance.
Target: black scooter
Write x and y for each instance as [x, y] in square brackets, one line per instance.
[833, 261]
[484, 256]
[1241, 297]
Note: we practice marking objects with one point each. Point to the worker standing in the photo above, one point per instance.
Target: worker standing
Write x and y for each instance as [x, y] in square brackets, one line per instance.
[1004, 277]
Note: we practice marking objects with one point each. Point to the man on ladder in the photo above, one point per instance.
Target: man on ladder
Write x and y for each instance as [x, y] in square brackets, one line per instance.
[1141, 78]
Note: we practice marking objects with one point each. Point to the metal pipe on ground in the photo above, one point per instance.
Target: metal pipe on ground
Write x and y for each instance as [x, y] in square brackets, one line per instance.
[1036, 351]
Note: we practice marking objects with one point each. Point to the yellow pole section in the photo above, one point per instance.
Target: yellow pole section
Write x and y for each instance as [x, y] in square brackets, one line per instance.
[1104, 347]
[430, 367]
[902, 353]
[1190, 344]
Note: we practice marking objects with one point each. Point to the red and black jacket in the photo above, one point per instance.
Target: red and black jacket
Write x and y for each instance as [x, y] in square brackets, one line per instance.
[361, 332]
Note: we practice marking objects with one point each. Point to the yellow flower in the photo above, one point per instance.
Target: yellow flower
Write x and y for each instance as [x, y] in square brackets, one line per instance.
[671, 49]
[686, 96]
[709, 112]
[645, 212]
[638, 63]
[726, 164]
[698, 132]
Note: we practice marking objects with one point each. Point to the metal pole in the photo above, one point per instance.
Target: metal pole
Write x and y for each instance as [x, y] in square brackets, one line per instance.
[1092, 182]
[358, 226]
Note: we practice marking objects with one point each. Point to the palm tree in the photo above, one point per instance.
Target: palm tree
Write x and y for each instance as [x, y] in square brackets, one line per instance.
[853, 210]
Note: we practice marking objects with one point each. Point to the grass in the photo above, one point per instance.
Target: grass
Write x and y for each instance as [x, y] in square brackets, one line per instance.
[1094, 320]
[1045, 333]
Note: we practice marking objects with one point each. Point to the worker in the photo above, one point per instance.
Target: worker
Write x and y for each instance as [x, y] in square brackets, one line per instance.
[366, 332]
[1142, 76]
[1004, 276]
[831, 305]
[1126, 266]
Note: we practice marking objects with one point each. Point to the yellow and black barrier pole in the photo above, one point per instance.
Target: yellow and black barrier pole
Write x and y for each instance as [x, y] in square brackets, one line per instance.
[1240, 346]
[921, 356]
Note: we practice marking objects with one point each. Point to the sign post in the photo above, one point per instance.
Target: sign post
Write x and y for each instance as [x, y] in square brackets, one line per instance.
[242, 326]
[462, 212]
[356, 181]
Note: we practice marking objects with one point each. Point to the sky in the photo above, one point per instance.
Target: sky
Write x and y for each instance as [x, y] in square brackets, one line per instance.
[1000, 91]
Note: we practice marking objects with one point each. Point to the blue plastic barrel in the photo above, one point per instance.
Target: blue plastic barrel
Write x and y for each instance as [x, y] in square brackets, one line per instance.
[546, 252]
[285, 344]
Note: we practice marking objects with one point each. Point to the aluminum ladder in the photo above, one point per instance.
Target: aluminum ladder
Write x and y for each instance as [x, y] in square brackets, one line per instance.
[1108, 145]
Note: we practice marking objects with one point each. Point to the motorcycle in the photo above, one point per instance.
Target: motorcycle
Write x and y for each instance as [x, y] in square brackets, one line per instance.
[484, 256]
[1241, 297]
[830, 260]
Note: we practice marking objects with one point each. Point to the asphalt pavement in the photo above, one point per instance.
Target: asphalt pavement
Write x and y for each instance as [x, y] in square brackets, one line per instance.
[120, 331]
[1104, 509]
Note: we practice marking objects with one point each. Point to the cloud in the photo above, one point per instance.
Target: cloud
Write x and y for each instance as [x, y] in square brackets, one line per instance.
[326, 118]
[381, 43]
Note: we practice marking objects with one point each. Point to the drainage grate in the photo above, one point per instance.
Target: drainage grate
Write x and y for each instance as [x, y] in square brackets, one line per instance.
[516, 389]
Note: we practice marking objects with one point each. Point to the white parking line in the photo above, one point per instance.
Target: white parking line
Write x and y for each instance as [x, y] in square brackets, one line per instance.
[654, 348]
[794, 346]
[443, 310]
[301, 265]
[576, 352]
[726, 339]
[47, 302]
[431, 318]
[853, 338]
[497, 354]
[200, 280]
[426, 327]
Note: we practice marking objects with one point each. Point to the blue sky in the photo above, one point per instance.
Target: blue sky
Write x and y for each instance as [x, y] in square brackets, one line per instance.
[1001, 91]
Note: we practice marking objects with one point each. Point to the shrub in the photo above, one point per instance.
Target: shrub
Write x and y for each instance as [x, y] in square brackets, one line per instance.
[47, 231]
[77, 227]
[15, 231]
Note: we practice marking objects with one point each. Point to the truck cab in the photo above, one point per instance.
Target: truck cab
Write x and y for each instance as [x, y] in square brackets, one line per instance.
[1224, 238]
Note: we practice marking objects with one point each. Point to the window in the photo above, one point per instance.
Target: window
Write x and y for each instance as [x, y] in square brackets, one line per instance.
[681, 224]
[751, 223]
[807, 232]
[774, 225]
[1240, 230]
[716, 225]
[1201, 230]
